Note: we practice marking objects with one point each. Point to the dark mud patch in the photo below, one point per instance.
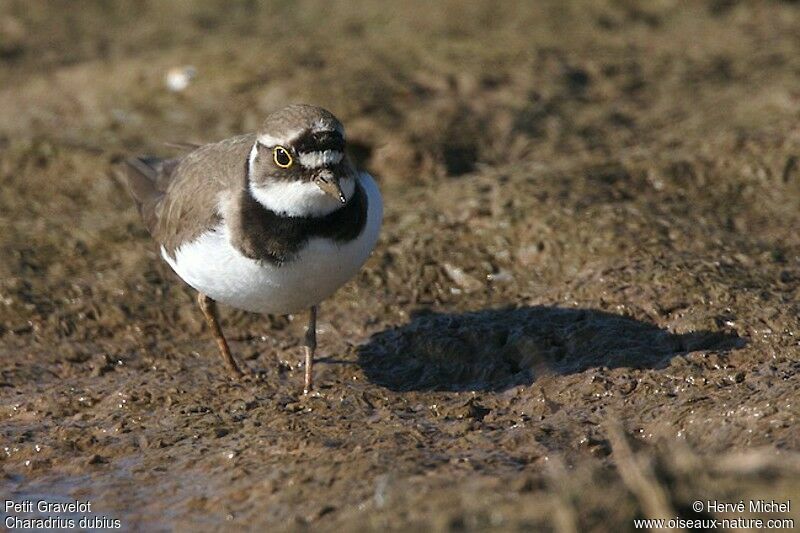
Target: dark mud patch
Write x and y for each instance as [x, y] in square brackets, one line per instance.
[497, 349]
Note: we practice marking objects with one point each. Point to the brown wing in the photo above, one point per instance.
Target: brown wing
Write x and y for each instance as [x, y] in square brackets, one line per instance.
[147, 180]
[180, 198]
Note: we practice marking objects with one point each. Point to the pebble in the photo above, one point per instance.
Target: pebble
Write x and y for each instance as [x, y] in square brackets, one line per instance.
[461, 278]
[179, 78]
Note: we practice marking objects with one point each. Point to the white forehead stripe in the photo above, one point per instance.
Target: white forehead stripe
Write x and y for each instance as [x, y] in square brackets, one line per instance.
[317, 127]
[320, 159]
[300, 198]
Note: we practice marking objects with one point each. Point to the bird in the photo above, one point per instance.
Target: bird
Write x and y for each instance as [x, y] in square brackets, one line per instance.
[272, 222]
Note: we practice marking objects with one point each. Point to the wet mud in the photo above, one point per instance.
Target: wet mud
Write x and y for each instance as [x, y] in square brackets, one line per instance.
[585, 293]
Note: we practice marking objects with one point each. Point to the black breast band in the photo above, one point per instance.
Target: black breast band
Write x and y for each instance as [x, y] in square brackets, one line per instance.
[268, 236]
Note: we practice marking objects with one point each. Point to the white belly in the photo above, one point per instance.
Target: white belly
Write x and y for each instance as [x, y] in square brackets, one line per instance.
[214, 267]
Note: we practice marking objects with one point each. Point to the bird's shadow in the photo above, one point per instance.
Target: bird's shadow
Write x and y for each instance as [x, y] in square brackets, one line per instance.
[493, 350]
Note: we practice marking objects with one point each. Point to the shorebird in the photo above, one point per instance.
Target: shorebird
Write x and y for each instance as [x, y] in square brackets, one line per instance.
[270, 222]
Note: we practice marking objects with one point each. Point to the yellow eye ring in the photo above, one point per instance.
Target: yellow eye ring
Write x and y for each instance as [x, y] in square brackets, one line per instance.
[282, 157]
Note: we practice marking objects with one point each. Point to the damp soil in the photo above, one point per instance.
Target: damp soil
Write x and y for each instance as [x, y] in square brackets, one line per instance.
[584, 299]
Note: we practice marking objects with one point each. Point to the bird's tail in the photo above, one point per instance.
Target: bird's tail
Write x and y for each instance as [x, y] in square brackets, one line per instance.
[145, 176]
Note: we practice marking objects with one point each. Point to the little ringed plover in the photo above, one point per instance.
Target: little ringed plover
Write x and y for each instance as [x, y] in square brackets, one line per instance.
[273, 222]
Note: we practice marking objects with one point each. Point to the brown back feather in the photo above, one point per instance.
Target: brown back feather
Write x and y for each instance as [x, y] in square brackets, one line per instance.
[189, 205]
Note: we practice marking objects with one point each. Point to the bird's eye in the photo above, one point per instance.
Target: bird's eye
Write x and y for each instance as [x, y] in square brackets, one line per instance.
[282, 157]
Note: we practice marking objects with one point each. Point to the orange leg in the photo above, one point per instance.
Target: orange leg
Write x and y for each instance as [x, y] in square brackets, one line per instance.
[209, 309]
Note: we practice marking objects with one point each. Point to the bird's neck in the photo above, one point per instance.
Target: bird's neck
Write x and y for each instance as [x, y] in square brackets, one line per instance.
[267, 235]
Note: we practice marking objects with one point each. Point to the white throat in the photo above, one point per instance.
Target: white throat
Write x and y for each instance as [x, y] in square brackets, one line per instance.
[300, 198]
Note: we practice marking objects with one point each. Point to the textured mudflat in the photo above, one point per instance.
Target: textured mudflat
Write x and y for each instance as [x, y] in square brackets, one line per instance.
[591, 243]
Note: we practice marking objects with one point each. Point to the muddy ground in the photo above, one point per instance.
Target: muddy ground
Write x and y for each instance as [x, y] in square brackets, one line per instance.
[583, 308]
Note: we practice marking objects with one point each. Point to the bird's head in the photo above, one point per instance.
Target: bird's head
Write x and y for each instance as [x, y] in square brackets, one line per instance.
[297, 165]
